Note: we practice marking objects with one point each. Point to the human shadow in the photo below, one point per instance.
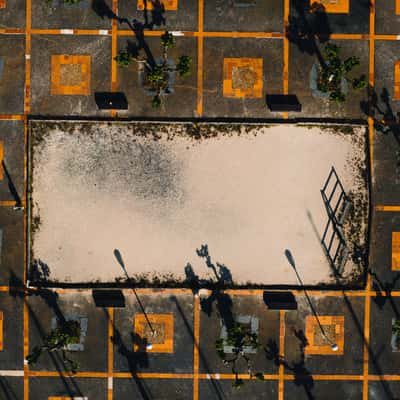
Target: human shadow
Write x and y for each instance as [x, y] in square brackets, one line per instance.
[135, 359]
[308, 26]
[11, 186]
[223, 280]
[381, 111]
[384, 291]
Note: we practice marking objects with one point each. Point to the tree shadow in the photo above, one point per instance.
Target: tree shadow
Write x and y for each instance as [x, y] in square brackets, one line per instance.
[6, 391]
[39, 272]
[223, 279]
[307, 24]
[380, 109]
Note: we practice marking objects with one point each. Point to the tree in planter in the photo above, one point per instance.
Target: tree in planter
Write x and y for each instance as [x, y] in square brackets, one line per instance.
[396, 331]
[157, 74]
[334, 71]
[57, 340]
[239, 337]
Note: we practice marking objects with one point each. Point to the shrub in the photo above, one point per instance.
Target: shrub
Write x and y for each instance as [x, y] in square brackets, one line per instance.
[183, 66]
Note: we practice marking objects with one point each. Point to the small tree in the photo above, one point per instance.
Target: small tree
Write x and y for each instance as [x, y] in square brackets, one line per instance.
[334, 71]
[123, 58]
[57, 340]
[238, 337]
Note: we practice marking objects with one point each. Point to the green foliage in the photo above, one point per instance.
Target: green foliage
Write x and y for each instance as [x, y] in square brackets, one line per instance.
[56, 340]
[360, 83]
[157, 76]
[219, 346]
[396, 327]
[238, 383]
[167, 40]
[337, 96]
[240, 336]
[123, 58]
[70, 2]
[156, 101]
[259, 376]
[335, 70]
[183, 66]
[331, 51]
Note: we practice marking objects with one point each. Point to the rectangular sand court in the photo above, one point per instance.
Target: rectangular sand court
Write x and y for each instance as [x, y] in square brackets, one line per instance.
[156, 192]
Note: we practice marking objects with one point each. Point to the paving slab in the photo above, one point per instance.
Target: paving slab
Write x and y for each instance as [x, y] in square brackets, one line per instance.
[11, 355]
[11, 387]
[329, 390]
[183, 18]
[386, 19]
[383, 226]
[157, 389]
[11, 246]
[216, 105]
[13, 14]
[179, 359]
[12, 74]
[383, 390]
[41, 388]
[46, 306]
[350, 361]
[56, 14]
[242, 16]
[223, 389]
[43, 47]
[383, 361]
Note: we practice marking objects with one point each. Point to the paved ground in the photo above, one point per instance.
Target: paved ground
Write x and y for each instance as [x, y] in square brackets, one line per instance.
[367, 368]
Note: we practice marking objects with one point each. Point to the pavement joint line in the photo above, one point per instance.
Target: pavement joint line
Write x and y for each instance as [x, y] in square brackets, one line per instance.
[281, 372]
[196, 344]
[16, 373]
[200, 55]
[10, 117]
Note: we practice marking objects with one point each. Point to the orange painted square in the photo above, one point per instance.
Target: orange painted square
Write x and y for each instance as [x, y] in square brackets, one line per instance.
[167, 320]
[397, 80]
[255, 64]
[56, 85]
[1, 330]
[333, 6]
[2, 3]
[311, 327]
[397, 7]
[396, 251]
[169, 5]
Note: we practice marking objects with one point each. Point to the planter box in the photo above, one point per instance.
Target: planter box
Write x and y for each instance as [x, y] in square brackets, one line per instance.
[344, 87]
[245, 320]
[83, 321]
[395, 340]
[171, 80]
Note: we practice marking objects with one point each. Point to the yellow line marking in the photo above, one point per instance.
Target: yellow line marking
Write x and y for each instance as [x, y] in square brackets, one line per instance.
[286, 6]
[281, 372]
[26, 348]
[149, 375]
[10, 203]
[11, 117]
[196, 344]
[387, 208]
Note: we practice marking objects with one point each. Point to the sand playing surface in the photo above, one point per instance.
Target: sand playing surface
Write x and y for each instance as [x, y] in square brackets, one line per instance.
[97, 187]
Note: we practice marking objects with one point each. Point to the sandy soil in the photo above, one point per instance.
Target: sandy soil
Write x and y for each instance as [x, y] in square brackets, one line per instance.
[249, 193]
